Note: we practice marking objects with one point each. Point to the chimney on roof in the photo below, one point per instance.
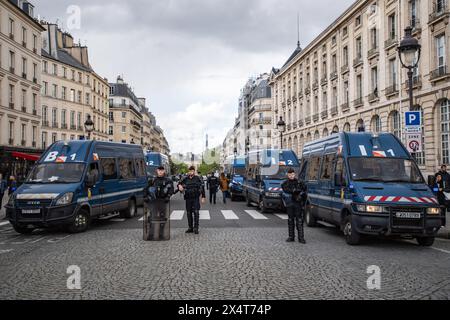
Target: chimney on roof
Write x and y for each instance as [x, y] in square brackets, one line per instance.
[120, 80]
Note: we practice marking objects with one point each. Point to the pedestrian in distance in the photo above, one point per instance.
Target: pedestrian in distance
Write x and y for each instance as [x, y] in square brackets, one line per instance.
[439, 189]
[194, 189]
[294, 197]
[12, 185]
[224, 187]
[213, 186]
[2, 190]
[445, 175]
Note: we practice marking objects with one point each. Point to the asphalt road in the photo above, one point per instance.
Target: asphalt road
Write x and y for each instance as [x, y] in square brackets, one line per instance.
[239, 254]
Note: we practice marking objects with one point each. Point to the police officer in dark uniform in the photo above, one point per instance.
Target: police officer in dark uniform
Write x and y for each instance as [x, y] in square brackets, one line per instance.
[157, 197]
[213, 187]
[294, 196]
[193, 188]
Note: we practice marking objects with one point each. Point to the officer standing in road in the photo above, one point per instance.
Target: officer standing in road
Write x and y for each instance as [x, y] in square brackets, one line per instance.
[294, 196]
[157, 199]
[213, 186]
[193, 188]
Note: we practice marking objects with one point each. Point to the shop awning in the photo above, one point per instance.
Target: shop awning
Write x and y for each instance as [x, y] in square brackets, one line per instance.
[26, 156]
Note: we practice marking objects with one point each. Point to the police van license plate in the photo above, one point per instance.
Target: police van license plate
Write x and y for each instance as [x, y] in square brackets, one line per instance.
[408, 215]
[33, 211]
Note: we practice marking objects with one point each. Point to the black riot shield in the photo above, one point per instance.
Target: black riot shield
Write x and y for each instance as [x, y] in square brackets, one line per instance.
[157, 221]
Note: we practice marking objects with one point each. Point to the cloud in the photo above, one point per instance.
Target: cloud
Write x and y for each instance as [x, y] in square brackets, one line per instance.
[184, 53]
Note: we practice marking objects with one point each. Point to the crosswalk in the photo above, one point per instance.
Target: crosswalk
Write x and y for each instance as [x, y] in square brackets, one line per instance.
[178, 215]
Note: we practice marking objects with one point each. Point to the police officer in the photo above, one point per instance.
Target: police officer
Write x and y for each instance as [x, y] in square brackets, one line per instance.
[294, 196]
[213, 186]
[157, 197]
[193, 188]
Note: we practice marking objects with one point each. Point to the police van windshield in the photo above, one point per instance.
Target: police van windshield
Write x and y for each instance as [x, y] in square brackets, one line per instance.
[239, 172]
[274, 174]
[385, 170]
[57, 173]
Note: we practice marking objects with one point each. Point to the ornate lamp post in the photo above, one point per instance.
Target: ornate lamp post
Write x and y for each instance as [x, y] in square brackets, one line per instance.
[282, 128]
[409, 52]
[89, 126]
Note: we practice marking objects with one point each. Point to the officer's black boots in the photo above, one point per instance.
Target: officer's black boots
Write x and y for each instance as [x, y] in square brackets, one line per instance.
[190, 223]
[196, 221]
[291, 230]
[190, 230]
[301, 232]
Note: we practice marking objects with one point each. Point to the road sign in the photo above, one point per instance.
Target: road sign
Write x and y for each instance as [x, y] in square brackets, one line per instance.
[414, 142]
[416, 130]
[413, 118]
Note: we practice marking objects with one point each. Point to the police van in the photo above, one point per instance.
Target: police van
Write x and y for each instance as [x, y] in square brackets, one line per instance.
[154, 160]
[235, 167]
[266, 170]
[368, 184]
[77, 181]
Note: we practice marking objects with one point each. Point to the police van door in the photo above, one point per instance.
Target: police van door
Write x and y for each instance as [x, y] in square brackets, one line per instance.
[326, 187]
[340, 188]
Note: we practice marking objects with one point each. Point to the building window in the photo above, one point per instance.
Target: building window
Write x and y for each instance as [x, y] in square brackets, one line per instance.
[54, 117]
[63, 117]
[72, 95]
[55, 91]
[111, 130]
[45, 66]
[413, 7]
[11, 94]
[345, 31]
[124, 129]
[374, 78]
[440, 46]
[34, 103]
[72, 119]
[34, 42]
[358, 21]
[23, 133]
[346, 127]
[44, 115]
[376, 124]
[33, 136]
[393, 72]
[24, 67]
[64, 93]
[44, 140]
[359, 87]
[12, 61]
[345, 56]
[373, 38]
[445, 131]
[359, 48]
[392, 27]
[124, 115]
[24, 100]
[55, 69]
[396, 124]
[11, 132]
[11, 27]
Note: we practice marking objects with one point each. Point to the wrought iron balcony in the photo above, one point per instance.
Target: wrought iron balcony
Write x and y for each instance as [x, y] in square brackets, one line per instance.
[300, 123]
[392, 41]
[440, 10]
[315, 117]
[357, 61]
[324, 80]
[334, 110]
[358, 102]
[373, 96]
[345, 68]
[440, 72]
[415, 24]
[345, 106]
[391, 90]
[324, 114]
[375, 51]
[333, 75]
[307, 120]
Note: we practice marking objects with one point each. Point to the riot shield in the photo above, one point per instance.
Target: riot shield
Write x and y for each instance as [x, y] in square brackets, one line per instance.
[157, 221]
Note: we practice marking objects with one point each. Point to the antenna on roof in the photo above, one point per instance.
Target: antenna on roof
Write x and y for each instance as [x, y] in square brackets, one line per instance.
[298, 29]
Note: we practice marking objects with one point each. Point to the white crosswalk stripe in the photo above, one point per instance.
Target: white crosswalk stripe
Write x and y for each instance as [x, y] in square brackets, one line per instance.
[177, 215]
[141, 219]
[282, 216]
[4, 223]
[256, 215]
[229, 215]
[204, 215]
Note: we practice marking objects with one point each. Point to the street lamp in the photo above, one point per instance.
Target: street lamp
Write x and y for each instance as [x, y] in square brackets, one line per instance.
[409, 52]
[89, 126]
[282, 128]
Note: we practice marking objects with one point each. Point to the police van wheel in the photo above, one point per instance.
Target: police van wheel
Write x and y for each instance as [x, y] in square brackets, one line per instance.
[261, 206]
[310, 219]
[80, 223]
[352, 237]
[130, 212]
[22, 230]
[426, 241]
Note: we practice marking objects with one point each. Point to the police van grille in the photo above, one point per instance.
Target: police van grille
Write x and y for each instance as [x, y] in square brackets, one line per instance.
[408, 223]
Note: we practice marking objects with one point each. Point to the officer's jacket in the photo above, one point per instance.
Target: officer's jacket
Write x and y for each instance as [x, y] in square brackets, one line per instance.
[160, 188]
[213, 183]
[294, 193]
[193, 187]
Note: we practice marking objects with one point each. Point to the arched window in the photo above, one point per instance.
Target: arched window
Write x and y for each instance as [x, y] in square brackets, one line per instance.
[308, 137]
[376, 124]
[395, 123]
[325, 133]
[335, 129]
[360, 127]
[347, 127]
[290, 143]
[445, 131]
[316, 135]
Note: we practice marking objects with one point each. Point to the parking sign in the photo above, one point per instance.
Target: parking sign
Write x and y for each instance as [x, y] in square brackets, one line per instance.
[413, 119]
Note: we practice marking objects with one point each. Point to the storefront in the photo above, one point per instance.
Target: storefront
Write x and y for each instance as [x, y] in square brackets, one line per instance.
[17, 162]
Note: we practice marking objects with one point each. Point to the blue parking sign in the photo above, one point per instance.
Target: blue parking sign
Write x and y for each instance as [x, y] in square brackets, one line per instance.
[413, 119]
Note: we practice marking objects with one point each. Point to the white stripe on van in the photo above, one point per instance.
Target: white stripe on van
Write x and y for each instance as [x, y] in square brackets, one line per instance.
[109, 195]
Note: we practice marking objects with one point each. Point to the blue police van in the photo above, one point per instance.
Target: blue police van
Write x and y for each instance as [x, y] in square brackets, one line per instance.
[235, 168]
[153, 160]
[266, 170]
[77, 181]
[368, 184]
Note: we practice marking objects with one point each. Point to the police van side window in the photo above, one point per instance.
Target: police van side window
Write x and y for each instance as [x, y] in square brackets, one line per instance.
[140, 167]
[109, 169]
[303, 170]
[126, 169]
[313, 170]
[327, 167]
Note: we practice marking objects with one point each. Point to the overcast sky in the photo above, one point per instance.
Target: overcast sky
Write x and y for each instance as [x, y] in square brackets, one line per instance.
[190, 58]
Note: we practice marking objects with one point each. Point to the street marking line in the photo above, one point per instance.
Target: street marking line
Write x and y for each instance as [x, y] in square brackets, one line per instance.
[441, 250]
[117, 220]
[109, 217]
[229, 215]
[6, 251]
[4, 223]
[177, 215]
[204, 215]
[141, 219]
[282, 216]
[256, 215]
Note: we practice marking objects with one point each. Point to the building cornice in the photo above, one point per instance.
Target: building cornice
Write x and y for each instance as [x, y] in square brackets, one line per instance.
[20, 12]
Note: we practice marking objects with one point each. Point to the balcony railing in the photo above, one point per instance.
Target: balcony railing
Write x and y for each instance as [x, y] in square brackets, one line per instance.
[45, 123]
[415, 24]
[417, 82]
[55, 125]
[373, 52]
[345, 106]
[439, 73]
[307, 120]
[391, 90]
[307, 90]
[358, 102]
[334, 110]
[316, 117]
[392, 41]
[324, 80]
[333, 75]
[324, 114]
[357, 61]
[344, 68]
[440, 10]
[64, 126]
[72, 127]
[315, 84]
[373, 96]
